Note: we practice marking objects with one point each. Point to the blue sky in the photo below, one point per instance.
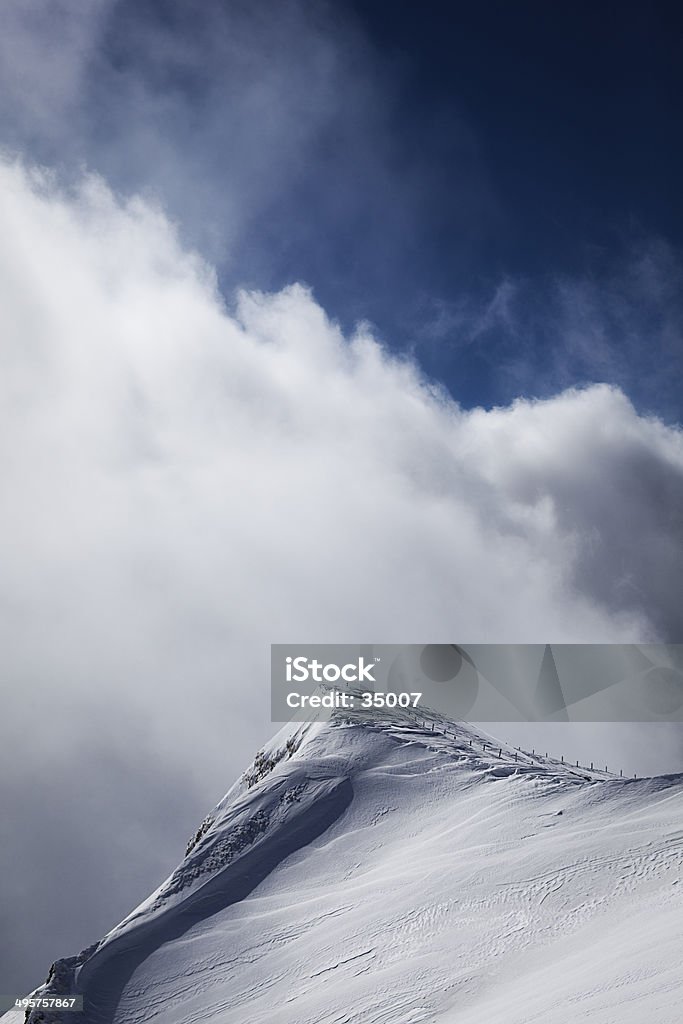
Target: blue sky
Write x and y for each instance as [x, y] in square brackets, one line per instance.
[328, 321]
[572, 111]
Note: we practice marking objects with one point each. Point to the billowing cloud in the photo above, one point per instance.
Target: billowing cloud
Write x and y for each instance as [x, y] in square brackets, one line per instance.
[186, 481]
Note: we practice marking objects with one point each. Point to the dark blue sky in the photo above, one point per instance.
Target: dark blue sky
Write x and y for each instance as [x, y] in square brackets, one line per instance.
[573, 165]
[530, 236]
[576, 109]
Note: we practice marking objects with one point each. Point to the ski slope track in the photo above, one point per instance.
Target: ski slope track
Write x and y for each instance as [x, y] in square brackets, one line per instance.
[384, 869]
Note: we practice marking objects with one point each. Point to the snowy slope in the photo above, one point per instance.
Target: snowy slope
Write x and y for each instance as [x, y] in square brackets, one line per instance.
[371, 870]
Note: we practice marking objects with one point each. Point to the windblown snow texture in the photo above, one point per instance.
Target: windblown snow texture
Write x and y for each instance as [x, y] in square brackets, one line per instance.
[372, 870]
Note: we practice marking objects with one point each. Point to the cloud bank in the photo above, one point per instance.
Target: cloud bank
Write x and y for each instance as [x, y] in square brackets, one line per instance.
[186, 481]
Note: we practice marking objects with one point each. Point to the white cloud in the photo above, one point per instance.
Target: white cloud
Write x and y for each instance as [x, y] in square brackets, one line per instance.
[255, 474]
[185, 483]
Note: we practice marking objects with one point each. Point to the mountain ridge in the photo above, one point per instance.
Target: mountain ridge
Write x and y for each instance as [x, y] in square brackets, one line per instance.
[344, 781]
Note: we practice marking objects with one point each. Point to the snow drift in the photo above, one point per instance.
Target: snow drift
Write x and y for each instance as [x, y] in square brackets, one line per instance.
[388, 868]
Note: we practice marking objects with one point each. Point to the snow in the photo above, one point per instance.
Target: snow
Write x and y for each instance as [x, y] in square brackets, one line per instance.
[373, 870]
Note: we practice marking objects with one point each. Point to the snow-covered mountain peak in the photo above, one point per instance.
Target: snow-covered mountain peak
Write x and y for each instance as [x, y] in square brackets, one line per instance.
[390, 866]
